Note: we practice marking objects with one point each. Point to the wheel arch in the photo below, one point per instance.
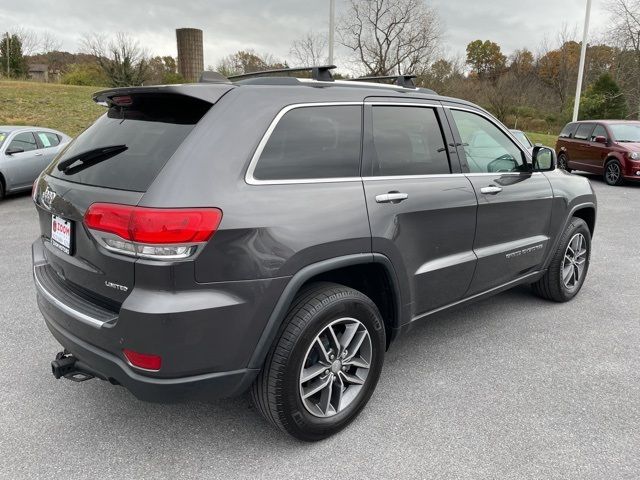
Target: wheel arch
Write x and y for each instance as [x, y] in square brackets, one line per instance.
[366, 272]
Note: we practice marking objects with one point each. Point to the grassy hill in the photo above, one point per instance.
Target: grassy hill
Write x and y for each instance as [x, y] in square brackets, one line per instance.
[70, 109]
[67, 108]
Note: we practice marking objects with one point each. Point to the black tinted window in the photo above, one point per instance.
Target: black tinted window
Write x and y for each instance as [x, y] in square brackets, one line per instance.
[48, 139]
[569, 130]
[408, 141]
[313, 142]
[25, 141]
[584, 131]
[152, 128]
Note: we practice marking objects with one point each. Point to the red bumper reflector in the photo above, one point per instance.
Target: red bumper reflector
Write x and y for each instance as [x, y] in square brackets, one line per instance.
[143, 360]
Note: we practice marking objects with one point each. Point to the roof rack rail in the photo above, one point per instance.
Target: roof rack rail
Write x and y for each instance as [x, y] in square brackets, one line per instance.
[321, 73]
[209, 76]
[405, 81]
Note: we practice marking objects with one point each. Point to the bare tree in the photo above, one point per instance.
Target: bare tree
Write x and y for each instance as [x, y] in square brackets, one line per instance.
[121, 59]
[310, 50]
[625, 33]
[391, 36]
[28, 40]
[48, 42]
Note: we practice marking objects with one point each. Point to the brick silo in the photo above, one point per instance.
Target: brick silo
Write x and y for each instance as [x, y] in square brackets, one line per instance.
[190, 53]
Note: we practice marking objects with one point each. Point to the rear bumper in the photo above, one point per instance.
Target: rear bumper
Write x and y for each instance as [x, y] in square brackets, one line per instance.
[205, 343]
[115, 370]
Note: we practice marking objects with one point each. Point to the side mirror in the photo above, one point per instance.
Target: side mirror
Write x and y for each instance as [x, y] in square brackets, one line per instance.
[12, 150]
[600, 139]
[544, 159]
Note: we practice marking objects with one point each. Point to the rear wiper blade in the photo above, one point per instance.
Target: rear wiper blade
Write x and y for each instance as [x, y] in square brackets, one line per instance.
[91, 157]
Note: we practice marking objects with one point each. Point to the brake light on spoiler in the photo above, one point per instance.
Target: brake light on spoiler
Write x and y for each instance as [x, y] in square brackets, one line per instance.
[153, 233]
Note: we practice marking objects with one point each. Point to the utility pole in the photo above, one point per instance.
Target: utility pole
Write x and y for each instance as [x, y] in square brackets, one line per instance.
[332, 28]
[8, 53]
[583, 54]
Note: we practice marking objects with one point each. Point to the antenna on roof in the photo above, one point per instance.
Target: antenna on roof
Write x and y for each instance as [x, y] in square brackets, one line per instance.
[320, 73]
[405, 81]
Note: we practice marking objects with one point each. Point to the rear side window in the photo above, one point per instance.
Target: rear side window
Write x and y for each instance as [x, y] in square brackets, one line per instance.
[408, 141]
[48, 139]
[313, 143]
[569, 130]
[584, 131]
[25, 141]
[151, 128]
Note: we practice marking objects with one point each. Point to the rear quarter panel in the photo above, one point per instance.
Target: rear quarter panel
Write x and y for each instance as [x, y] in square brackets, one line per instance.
[267, 230]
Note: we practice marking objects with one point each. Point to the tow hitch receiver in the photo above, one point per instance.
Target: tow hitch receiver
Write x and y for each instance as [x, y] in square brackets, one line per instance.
[67, 366]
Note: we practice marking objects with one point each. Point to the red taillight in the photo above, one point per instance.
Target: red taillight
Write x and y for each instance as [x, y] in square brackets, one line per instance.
[143, 360]
[154, 225]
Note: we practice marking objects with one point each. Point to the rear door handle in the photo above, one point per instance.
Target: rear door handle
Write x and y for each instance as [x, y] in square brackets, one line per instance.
[491, 190]
[392, 197]
[38, 154]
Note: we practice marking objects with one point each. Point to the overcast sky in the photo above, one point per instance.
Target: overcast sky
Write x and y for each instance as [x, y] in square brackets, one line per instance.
[271, 25]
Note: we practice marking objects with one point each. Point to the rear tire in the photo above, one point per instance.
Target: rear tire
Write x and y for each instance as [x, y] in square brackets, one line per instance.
[563, 162]
[324, 323]
[569, 265]
[613, 173]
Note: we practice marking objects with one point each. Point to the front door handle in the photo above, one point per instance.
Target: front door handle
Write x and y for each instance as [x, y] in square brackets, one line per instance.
[392, 197]
[491, 190]
[38, 154]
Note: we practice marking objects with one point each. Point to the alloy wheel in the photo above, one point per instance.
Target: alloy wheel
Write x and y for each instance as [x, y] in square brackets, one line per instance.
[335, 367]
[613, 173]
[574, 261]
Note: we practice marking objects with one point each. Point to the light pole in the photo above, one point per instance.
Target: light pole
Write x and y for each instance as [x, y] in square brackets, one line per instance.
[332, 28]
[583, 54]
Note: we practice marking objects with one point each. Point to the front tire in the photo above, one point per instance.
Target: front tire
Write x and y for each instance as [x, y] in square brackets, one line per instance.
[613, 173]
[325, 365]
[569, 265]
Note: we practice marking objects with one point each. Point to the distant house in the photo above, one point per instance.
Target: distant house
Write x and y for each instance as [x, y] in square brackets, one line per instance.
[39, 72]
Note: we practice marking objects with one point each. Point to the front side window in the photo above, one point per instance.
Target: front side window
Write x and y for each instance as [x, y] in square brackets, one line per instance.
[584, 131]
[599, 131]
[408, 141]
[487, 148]
[25, 141]
[48, 139]
[313, 143]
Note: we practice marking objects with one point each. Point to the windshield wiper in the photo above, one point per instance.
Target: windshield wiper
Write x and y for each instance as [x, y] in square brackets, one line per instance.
[629, 141]
[90, 157]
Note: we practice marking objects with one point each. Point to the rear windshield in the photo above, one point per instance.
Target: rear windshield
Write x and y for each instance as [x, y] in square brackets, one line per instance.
[146, 133]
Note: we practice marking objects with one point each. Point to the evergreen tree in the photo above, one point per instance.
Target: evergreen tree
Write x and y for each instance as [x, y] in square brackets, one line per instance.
[603, 99]
[17, 62]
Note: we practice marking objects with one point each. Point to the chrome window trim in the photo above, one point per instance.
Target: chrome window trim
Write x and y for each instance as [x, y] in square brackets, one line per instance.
[249, 176]
[94, 322]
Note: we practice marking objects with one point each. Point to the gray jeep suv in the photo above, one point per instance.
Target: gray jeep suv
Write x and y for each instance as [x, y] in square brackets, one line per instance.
[276, 234]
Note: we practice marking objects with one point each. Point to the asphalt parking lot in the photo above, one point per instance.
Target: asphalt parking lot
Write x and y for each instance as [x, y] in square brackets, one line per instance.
[511, 387]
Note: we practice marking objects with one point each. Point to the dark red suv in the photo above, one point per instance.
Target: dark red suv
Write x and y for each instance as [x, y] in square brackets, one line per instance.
[607, 147]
